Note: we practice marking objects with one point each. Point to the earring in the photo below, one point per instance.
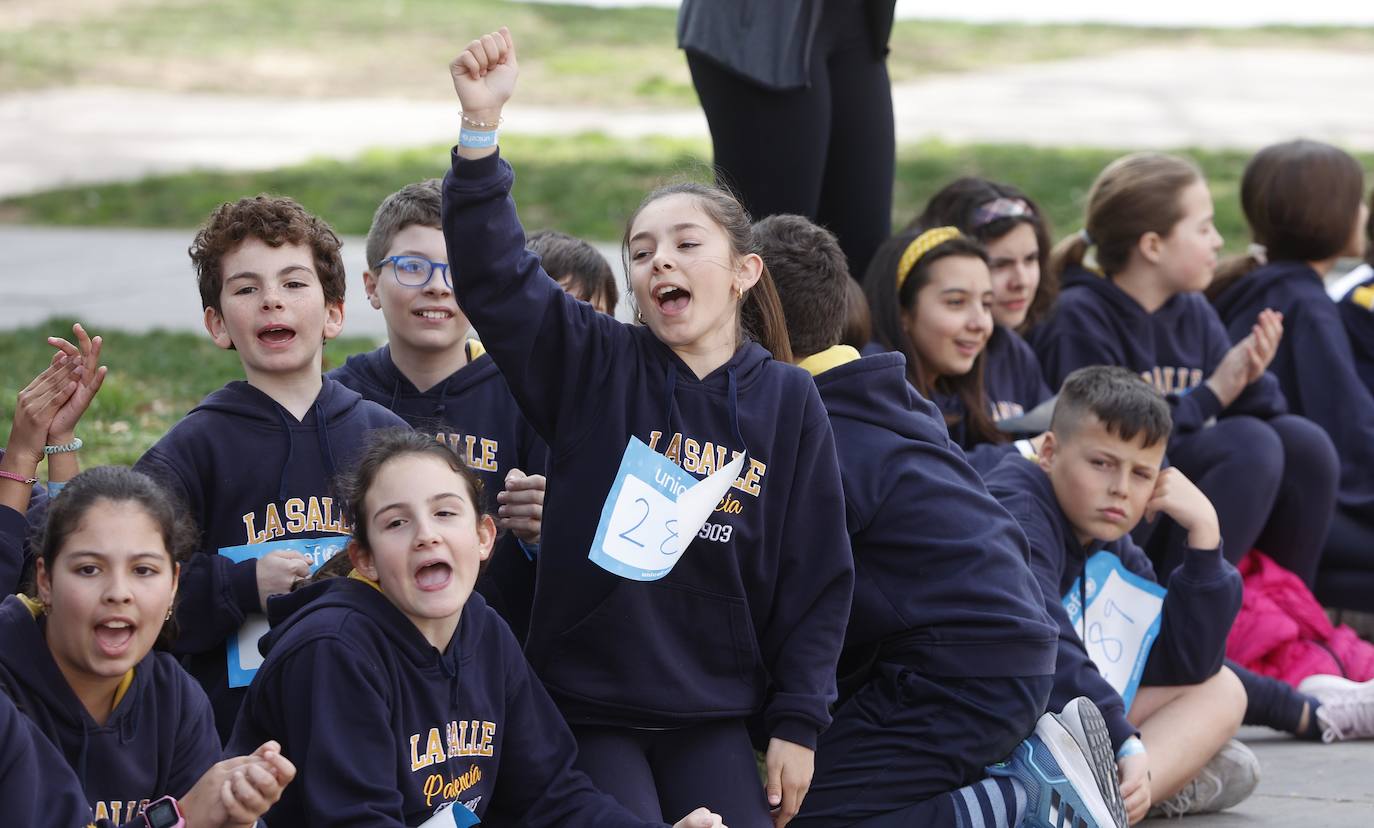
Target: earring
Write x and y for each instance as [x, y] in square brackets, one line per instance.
[739, 292]
[169, 614]
[44, 608]
[640, 316]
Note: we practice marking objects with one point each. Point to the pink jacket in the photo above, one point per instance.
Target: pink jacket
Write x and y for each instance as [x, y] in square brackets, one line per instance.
[1283, 632]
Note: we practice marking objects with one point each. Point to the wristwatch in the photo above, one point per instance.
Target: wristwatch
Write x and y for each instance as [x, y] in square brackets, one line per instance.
[163, 813]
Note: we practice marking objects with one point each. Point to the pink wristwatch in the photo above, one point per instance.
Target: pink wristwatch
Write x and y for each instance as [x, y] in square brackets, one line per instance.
[164, 813]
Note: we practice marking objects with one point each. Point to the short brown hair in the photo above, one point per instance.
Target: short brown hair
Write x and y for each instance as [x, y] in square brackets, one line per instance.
[419, 203]
[811, 276]
[1120, 399]
[1300, 199]
[568, 257]
[275, 221]
[1136, 194]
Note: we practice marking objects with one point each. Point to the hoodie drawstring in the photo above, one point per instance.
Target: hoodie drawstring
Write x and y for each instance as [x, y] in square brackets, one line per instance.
[290, 453]
[732, 401]
[321, 435]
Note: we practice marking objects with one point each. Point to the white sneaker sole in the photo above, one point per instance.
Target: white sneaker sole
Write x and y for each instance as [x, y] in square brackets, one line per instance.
[1076, 768]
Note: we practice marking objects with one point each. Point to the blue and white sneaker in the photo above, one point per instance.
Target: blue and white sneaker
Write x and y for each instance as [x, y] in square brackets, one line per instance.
[1068, 771]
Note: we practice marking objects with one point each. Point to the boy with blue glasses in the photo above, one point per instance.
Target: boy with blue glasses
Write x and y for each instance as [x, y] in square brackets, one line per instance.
[441, 382]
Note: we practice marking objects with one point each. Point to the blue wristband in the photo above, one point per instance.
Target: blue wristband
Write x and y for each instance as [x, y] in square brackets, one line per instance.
[1130, 747]
[476, 138]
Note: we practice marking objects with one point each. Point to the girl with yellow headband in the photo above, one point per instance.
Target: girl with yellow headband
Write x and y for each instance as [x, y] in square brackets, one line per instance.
[931, 298]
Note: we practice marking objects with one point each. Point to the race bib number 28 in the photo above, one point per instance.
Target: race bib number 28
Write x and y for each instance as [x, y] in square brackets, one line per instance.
[653, 512]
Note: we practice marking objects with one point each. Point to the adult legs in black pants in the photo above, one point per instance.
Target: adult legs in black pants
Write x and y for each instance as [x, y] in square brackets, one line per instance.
[826, 151]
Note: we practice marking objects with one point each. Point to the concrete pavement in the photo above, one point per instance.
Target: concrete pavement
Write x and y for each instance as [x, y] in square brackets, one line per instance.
[1155, 98]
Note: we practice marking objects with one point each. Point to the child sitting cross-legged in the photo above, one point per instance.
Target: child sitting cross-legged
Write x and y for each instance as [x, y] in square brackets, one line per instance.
[948, 651]
[1097, 475]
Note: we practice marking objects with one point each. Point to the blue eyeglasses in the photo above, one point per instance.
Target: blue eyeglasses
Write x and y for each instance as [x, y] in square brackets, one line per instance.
[415, 271]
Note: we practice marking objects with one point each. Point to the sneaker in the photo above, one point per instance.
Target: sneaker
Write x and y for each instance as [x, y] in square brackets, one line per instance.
[1347, 710]
[1223, 782]
[1068, 771]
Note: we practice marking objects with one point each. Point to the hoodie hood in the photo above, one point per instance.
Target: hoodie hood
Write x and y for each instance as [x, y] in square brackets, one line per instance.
[1260, 287]
[333, 601]
[334, 402]
[874, 390]
[740, 372]
[376, 377]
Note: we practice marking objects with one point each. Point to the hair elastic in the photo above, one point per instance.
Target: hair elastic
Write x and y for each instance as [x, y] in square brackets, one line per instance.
[1259, 253]
[920, 246]
[1000, 208]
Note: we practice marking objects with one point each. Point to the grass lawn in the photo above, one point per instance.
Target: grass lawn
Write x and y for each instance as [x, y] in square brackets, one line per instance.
[571, 55]
[588, 184]
[154, 380]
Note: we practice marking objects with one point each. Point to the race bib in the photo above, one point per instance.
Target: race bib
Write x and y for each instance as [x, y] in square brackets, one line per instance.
[653, 512]
[242, 648]
[1121, 622]
[452, 815]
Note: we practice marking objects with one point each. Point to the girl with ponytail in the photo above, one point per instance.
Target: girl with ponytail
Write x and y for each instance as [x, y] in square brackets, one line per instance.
[1304, 203]
[657, 676]
[1137, 304]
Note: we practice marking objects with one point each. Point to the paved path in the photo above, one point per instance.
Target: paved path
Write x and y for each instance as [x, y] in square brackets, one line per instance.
[1150, 98]
[137, 280]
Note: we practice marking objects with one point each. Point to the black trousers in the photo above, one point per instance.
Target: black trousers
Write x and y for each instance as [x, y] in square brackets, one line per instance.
[826, 152]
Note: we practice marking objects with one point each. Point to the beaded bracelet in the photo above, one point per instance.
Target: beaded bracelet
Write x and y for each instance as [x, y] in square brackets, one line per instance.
[476, 124]
[74, 445]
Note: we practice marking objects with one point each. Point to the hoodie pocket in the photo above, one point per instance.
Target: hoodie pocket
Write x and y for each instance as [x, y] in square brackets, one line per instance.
[662, 650]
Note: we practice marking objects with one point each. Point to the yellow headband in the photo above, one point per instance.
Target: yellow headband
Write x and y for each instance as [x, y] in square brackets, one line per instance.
[920, 246]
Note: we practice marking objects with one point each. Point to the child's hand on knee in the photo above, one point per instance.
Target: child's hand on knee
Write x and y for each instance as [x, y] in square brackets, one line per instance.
[1177, 497]
[700, 818]
[1135, 785]
[790, 767]
[484, 75]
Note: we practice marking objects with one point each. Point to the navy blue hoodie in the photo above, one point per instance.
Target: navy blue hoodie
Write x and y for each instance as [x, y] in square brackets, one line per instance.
[1175, 349]
[1314, 365]
[1357, 312]
[941, 575]
[249, 472]
[1203, 599]
[475, 414]
[384, 729]
[158, 740]
[766, 601]
[37, 789]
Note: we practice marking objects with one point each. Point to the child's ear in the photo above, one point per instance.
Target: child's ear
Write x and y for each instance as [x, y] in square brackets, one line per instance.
[362, 560]
[751, 269]
[1151, 246]
[219, 332]
[486, 535]
[43, 581]
[370, 287]
[1048, 451]
[334, 319]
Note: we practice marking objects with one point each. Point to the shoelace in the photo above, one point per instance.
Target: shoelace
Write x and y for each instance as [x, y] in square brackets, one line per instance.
[1193, 795]
[1347, 714]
